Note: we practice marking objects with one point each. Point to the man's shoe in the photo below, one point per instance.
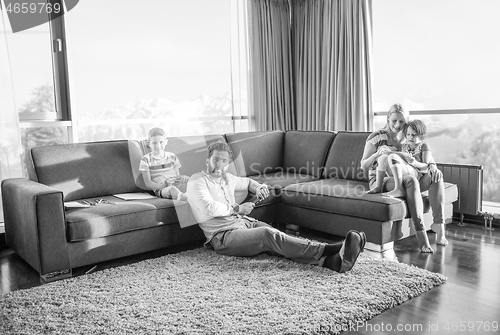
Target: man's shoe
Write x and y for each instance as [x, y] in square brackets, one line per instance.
[354, 244]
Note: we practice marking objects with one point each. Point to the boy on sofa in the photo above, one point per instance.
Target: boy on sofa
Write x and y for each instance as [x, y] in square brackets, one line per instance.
[160, 168]
[229, 231]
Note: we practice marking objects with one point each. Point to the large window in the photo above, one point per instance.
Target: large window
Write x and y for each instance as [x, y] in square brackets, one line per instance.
[440, 60]
[27, 69]
[131, 66]
[134, 65]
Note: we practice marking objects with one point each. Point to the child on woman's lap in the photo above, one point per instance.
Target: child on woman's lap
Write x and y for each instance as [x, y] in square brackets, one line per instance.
[413, 160]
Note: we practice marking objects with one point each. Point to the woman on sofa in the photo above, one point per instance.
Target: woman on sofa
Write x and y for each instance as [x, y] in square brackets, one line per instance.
[389, 138]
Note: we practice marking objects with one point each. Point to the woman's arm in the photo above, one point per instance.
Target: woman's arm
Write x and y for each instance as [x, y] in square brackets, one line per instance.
[428, 159]
[370, 154]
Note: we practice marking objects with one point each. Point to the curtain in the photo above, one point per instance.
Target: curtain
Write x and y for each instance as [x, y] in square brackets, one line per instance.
[240, 85]
[311, 64]
[10, 137]
[332, 64]
[271, 70]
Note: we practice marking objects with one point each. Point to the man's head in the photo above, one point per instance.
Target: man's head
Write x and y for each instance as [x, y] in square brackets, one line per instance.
[218, 159]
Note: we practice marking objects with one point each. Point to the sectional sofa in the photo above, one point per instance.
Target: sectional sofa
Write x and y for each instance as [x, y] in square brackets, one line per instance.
[314, 176]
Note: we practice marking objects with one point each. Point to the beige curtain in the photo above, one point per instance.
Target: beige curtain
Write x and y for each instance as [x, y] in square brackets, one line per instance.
[271, 89]
[332, 56]
[327, 51]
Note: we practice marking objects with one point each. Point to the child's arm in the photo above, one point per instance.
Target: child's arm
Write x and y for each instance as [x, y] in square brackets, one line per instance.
[146, 175]
[419, 165]
[181, 178]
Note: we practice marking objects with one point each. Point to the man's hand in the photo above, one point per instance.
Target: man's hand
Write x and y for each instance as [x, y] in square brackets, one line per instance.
[262, 191]
[246, 208]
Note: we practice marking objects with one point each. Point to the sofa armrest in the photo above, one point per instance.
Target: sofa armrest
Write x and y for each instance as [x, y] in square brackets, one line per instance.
[35, 226]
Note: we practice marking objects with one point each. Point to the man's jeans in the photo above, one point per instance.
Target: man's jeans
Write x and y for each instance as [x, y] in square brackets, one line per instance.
[260, 237]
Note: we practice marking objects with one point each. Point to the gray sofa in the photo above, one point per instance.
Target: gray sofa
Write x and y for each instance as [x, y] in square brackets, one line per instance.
[315, 179]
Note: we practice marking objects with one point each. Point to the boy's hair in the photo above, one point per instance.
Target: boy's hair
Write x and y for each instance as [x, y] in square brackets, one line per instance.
[219, 146]
[156, 132]
[418, 126]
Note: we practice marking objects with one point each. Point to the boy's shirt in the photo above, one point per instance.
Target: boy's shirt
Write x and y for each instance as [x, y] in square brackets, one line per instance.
[161, 169]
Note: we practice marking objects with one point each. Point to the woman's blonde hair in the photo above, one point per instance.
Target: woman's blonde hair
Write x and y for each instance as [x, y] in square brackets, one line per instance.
[397, 108]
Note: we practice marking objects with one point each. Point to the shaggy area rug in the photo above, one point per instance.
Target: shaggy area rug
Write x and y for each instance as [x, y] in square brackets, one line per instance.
[201, 292]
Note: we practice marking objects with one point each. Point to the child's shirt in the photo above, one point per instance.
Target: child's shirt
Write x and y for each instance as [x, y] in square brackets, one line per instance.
[161, 169]
[416, 152]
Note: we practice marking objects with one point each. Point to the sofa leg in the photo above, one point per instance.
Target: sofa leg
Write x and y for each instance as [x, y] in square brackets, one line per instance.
[379, 247]
[57, 275]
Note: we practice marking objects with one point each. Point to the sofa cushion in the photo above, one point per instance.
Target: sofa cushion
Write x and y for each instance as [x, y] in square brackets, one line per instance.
[191, 151]
[84, 170]
[305, 151]
[263, 152]
[349, 197]
[125, 216]
[346, 197]
[344, 157]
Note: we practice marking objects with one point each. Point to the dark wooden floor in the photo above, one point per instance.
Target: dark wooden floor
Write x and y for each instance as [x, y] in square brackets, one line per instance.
[469, 303]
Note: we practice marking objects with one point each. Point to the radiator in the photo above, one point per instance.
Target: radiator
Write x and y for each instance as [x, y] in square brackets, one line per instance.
[469, 179]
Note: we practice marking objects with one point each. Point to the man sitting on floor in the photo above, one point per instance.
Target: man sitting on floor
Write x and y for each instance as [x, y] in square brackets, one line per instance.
[230, 231]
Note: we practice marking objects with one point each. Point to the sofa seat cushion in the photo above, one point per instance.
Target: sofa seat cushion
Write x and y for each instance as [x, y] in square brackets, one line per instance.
[346, 197]
[106, 219]
[349, 197]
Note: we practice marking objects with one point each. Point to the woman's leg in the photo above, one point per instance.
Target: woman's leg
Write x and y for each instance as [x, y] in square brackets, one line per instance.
[436, 201]
[416, 208]
[398, 168]
[382, 168]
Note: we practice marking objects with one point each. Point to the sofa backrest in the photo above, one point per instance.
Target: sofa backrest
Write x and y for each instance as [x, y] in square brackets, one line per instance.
[191, 151]
[256, 153]
[84, 170]
[344, 157]
[305, 151]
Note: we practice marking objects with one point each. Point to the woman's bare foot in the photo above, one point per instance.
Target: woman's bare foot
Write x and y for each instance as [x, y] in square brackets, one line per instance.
[395, 193]
[423, 242]
[426, 250]
[440, 234]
